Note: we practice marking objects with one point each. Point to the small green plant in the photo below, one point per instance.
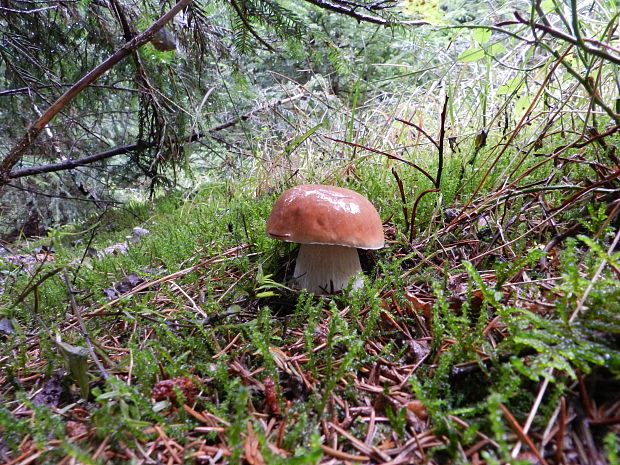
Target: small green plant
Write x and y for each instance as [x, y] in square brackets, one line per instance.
[397, 419]
[76, 359]
[124, 410]
[265, 284]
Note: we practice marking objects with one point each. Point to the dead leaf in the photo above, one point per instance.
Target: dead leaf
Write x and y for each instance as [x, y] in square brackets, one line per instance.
[420, 349]
[387, 444]
[115, 249]
[137, 234]
[76, 429]
[129, 282]
[52, 392]
[419, 305]
[418, 408]
[125, 285]
[164, 41]
[481, 139]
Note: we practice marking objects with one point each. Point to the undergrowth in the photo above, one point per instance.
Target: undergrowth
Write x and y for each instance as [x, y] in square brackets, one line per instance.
[487, 331]
[469, 345]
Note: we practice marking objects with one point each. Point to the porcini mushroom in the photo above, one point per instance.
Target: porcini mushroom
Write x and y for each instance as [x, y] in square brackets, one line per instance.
[330, 223]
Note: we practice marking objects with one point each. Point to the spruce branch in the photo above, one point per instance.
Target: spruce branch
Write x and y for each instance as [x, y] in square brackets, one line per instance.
[37, 127]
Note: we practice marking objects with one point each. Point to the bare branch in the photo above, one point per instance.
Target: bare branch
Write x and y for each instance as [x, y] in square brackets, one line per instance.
[351, 9]
[26, 90]
[583, 44]
[70, 164]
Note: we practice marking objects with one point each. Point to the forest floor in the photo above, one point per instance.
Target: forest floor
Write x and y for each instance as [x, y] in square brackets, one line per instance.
[485, 333]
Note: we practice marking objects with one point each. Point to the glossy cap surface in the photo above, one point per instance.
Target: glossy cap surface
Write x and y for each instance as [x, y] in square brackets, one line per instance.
[329, 215]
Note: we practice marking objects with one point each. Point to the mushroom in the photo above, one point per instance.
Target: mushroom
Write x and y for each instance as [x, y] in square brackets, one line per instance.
[330, 223]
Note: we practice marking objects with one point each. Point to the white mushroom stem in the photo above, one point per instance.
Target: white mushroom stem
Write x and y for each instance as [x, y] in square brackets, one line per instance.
[325, 269]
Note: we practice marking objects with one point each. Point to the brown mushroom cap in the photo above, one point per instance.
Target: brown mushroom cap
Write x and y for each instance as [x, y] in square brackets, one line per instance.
[329, 215]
